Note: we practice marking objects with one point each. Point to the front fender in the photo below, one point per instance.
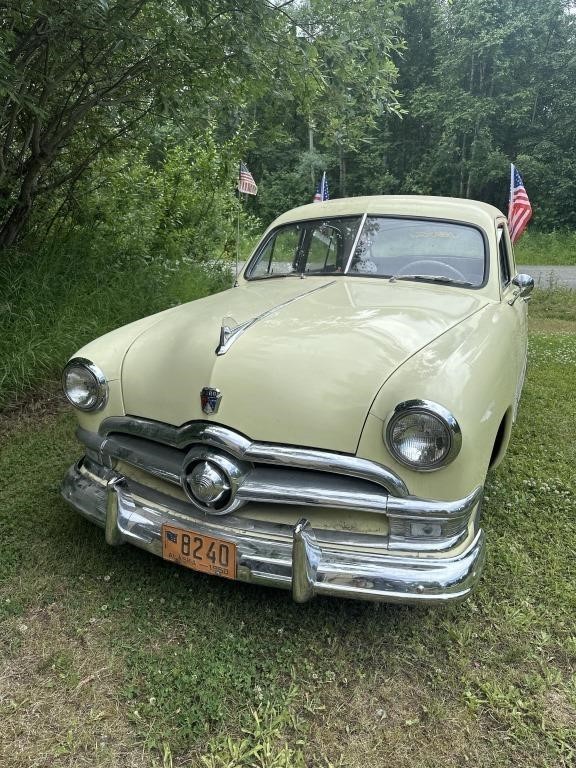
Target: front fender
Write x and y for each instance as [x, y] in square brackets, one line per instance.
[472, 370]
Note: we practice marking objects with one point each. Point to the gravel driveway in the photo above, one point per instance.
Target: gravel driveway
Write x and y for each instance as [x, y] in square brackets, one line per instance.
[551, 277]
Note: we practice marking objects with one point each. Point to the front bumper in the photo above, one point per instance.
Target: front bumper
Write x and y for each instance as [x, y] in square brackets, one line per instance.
[297, 557]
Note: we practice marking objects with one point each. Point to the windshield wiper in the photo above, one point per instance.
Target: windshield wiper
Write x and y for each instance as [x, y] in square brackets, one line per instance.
[272, 275]
[431, 279]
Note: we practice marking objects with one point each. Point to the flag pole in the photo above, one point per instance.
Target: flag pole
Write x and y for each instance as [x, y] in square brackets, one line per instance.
[238, 228]
[237, 243]
[511, 186]
[246, 186]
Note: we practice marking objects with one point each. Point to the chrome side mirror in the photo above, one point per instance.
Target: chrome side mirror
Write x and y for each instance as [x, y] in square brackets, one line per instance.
[525, 285]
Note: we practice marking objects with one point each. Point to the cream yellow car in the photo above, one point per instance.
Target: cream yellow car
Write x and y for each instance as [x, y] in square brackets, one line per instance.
[326, 425]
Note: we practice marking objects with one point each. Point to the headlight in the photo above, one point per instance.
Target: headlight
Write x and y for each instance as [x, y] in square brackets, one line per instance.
[85, 385]
[423, 435]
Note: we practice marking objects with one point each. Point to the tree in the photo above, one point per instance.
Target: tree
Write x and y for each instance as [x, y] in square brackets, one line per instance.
[488, 82]
[353, 45]
[77, 76]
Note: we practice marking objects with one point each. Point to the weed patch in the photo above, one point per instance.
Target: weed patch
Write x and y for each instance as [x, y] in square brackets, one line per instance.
[553, 304]
[72, 292]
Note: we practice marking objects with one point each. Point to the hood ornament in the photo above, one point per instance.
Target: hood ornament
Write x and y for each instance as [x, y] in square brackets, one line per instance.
[229, 331]
[210, 399]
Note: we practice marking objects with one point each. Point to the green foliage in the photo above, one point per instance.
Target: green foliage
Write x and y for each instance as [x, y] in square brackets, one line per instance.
[178, 205]
[553, 303]
[328, 119]
[67, 292]
[81, 79]
[353, 45]
[485, 84]
[472, 86]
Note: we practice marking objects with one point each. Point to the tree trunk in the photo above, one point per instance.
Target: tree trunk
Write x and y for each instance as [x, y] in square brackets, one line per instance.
[22, 208]
[342, 173]
[311, 149]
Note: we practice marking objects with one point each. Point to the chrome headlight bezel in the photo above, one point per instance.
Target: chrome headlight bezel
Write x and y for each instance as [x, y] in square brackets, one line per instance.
[433, 411]
[96, 382]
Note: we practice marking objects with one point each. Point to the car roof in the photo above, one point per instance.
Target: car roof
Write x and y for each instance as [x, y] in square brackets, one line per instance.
[420, 206]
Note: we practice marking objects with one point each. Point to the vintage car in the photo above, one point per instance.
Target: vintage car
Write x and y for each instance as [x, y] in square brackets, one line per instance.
[327, 424]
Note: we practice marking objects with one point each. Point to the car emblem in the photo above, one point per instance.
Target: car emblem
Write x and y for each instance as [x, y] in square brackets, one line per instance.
[210, 399]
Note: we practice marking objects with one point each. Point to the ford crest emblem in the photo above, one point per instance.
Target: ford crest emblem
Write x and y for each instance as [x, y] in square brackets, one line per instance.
[210, 399]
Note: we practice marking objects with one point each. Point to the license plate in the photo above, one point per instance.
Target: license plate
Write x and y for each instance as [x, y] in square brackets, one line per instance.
[199, 552]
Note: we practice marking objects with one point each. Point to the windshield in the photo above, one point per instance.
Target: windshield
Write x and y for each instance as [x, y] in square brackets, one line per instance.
[397, 248]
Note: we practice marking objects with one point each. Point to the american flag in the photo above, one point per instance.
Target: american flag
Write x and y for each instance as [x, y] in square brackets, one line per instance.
[519, 208]
[246, 183]
[322, 190]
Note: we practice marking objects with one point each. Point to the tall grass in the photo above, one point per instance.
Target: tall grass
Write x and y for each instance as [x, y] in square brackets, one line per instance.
[57, 297]
[548, 249]
[138, 235]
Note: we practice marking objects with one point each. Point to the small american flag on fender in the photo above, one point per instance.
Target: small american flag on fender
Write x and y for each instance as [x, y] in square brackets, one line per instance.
[519, 208]
[246, 183]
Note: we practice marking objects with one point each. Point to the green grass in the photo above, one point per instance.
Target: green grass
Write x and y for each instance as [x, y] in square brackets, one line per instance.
[55, 299]
[553, 249]
[553, 304]
[113, 657]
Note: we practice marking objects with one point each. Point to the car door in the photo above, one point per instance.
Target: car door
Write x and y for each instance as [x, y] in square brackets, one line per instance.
[515, 305]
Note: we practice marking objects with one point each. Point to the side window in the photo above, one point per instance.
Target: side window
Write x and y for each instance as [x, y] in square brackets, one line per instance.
[504, 258]
[322, 249]
[279, 254]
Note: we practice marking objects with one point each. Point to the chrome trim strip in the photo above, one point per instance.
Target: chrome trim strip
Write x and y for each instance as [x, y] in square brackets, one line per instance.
[243, 448]
[324, 461]
[355, 243]
[434, 509]
[177, 437]
[274, 487]
[229, 335]
[277, 555]
[156, 459]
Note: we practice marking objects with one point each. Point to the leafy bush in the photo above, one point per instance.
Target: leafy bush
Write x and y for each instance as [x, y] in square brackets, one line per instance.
[150, 233]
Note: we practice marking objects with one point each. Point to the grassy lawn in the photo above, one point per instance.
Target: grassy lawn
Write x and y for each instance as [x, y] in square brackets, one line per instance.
[111, 657]
[547, 248]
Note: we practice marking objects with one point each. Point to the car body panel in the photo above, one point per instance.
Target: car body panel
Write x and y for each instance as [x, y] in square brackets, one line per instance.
[476, 376]
[320, 359]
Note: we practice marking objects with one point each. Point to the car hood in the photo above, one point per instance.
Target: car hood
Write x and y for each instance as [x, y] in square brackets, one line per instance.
[305, 372]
